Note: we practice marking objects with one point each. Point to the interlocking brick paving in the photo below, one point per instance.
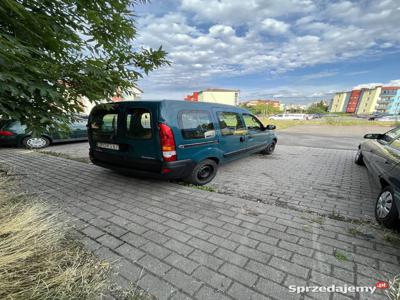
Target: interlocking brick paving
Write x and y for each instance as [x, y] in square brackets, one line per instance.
[179, 242]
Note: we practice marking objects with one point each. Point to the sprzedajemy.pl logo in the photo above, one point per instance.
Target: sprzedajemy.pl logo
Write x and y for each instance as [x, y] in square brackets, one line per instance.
[344, 289]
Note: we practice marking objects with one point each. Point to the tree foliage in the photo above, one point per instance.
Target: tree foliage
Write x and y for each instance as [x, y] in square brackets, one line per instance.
[264, 109]
[317, 108]
[52, 52]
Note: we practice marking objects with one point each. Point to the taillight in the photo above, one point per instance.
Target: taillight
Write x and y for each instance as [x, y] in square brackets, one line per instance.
[6, 133]
[167, 143]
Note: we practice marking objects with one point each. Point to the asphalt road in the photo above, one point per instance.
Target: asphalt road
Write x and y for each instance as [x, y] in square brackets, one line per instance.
[327, 137]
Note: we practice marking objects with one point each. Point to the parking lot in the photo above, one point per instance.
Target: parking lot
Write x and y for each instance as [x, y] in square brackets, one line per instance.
[302, 216]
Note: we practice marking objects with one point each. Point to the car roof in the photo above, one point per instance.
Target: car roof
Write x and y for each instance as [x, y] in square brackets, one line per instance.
[181, 104]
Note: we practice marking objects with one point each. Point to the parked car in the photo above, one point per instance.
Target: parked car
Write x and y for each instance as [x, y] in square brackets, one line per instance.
[393, 118]
[13, 133]
[381, 155]
[174, 139]
[289, 117]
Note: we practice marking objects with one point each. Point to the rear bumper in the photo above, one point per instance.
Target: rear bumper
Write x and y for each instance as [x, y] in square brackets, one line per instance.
[8, 141]
[146, 168]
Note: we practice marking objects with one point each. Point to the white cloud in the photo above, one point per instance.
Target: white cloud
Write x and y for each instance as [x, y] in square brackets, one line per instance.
[395, 82]
[243, 12]
[221, 38]
[274, 26]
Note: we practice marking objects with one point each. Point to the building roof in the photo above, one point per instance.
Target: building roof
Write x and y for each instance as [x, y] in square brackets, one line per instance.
[218, 90]
[391, 88]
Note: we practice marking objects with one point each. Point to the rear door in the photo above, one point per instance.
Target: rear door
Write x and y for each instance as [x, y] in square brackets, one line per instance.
[125, 134]
[104, 129]
[139, 132]
[233, 133]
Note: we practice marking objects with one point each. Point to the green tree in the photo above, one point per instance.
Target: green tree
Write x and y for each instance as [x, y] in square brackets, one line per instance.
[317, 108]
[264, 110]
[52, 52]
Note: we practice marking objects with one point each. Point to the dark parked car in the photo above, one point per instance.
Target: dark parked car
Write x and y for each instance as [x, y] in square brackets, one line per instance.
[381, 155]
[13, 133]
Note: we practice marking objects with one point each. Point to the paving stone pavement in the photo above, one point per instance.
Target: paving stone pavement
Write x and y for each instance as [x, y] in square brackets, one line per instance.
[179, 242]
[325, 181]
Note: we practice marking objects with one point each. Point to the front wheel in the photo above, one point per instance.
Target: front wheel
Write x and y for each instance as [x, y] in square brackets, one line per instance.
[35, 143]
[359, 159]
[270, 148]
[203, 172]
[386, 212]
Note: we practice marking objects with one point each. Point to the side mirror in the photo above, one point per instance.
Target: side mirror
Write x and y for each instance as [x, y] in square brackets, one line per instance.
[372, 136]
[270, 127]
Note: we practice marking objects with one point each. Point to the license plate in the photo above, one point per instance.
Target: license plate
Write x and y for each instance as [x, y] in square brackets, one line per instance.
[108, 146]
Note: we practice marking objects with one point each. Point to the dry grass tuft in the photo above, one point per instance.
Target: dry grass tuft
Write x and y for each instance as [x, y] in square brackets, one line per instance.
[37, 258]
[394, 289]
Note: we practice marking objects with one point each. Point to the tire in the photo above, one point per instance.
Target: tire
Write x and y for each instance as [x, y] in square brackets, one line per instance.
[359, 159]
[386, 212]
[202, 173]
[270, 148]
[35, 143]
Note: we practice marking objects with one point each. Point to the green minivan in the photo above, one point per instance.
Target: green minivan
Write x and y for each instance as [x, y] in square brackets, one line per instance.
[174, 139]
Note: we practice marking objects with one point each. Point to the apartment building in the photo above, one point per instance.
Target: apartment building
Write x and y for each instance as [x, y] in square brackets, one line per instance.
[222, 96]
[389, 100]
[368, 101]
[340, 102]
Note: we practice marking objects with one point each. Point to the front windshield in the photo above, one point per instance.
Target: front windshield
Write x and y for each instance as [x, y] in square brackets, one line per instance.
[391, 135]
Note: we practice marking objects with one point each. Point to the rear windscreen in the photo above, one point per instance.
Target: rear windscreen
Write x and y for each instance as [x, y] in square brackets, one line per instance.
[3, 123]
[104, 120]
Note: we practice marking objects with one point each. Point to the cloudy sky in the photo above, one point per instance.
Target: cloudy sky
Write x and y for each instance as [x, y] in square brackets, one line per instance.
[294, 50]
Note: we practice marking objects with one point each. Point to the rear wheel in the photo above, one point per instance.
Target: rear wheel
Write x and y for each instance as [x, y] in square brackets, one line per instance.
[359, 159]
[270, 148]
[35, 143]
[203, 172]
[386, 211]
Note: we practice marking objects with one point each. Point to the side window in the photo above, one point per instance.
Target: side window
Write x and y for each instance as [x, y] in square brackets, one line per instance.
[196, 124]
[79, 125]
[138, 123]
[230, 123]
[252, 122]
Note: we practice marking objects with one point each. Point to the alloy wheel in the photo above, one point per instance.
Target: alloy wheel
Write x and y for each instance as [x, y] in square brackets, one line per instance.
[384, 204]
[36, 142]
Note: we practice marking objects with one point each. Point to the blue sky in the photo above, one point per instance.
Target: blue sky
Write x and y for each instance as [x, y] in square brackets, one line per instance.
[294, 50]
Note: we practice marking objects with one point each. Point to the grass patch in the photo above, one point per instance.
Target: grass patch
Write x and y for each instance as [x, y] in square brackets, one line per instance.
[340, 256]
[333, 121]
[66, 156]
[354, 231]
[206, 188]
[335, 215]
[316, 219]
[392, 238]
[38, 257]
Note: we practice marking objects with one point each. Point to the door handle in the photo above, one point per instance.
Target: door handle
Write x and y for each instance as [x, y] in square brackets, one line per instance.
[386, 162]
[242, 139]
